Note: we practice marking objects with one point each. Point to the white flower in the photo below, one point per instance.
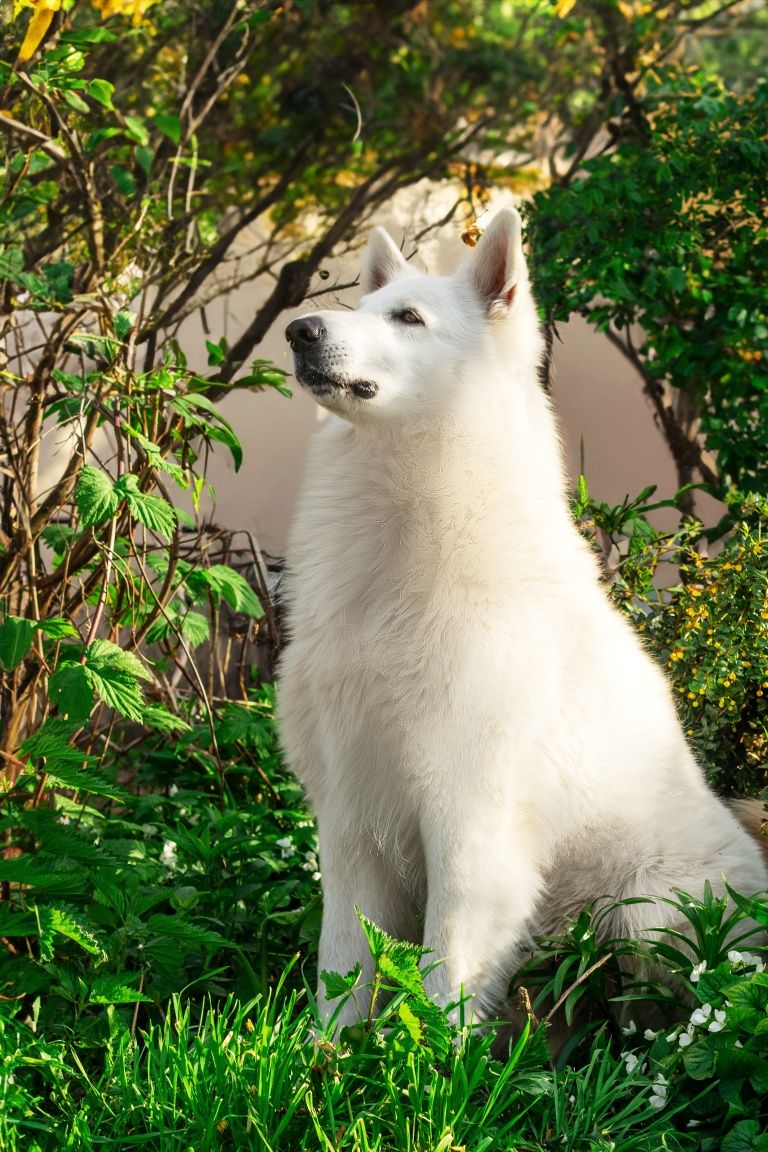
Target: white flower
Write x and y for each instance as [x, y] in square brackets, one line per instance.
[697, 970]
[287, 848]
[686, 1038]
[173, 790]
[658, 1097]
[701, 1015]
[746, 960]
[630, 1060]
[630, 1029]
[649, 1034]
[716, 1025]
[168, 854]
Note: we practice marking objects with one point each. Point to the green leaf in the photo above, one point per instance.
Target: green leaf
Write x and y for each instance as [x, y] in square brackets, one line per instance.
[181, 929]
[144, 158]
[14, 923]
[700, 1059]
[217, 353]
[234, 588]
[153, 512]
[72, 692]
[745, 1136]
[57, 628]
[114, 676]
[75, 101]
[169, 125]
[164, 721]
[194, 407]
[50, 743]
[336, 985]
[68, 923]
[412, 1023]
[123, 322]
[195, 628]
[102, 92]
[16, 636]
[103, 655]
[116, 989]
[95, 496]
[137, 131]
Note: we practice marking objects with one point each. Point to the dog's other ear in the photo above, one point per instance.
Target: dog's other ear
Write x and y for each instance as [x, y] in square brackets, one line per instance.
[382, 262]
[498, 264]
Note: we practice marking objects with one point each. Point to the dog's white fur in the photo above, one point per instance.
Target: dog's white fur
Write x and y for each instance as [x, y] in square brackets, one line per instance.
[482, 736]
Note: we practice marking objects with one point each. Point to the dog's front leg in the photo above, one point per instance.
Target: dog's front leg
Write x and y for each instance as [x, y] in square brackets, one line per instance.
[482, 887]
[355, 875]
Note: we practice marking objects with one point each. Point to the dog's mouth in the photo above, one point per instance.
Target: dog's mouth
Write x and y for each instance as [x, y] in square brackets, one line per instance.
[321, 385]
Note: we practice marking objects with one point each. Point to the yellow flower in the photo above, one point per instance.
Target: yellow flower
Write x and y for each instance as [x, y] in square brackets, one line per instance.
[38, 26]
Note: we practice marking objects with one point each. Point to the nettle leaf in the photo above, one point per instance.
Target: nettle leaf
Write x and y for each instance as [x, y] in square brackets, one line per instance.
[13, 923]
[46, 933]
[116, 989]
[95, 496]
[123, 322]
[182, 930]
[336, 985]
[401, 956]
[164, 721]
[195, 628]
[234, 588]
[69, 923]
[16, 636]
[90, 781]
[71, 691]
[57, 628]
[62, 840]
[114, 676]
[51, 743]
[153, 512]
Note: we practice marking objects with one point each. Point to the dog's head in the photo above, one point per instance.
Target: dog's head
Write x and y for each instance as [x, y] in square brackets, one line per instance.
[415, 339]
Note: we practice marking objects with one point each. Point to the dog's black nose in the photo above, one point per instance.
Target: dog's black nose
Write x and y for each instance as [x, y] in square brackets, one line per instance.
[306, 330]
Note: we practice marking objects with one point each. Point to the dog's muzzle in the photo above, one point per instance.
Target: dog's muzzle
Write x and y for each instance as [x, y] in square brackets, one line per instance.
[306, 337]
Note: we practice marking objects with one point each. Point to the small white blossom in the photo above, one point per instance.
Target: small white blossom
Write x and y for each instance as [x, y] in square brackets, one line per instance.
[630, 1060]
[173, 790]
[658, 1097]
[746, 960]
[686, 1038]
[716, 1025]
[649, 1034]
[168, 854]
[701, 1015]
[287, 847]
[697, 970]
[630, 1029]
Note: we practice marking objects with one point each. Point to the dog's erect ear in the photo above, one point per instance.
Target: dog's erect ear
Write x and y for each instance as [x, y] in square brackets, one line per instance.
[382, 262]
[498, 264]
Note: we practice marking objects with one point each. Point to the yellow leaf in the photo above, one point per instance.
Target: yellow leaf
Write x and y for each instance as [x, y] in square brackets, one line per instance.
[563, 7]
[38, 26]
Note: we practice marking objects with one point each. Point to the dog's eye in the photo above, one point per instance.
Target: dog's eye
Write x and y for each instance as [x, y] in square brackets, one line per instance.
[408, 316]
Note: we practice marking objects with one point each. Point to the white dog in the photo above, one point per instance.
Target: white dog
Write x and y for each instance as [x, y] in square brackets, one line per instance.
[483, 738]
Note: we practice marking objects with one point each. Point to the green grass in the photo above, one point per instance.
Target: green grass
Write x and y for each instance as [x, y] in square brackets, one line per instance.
[257, 1076]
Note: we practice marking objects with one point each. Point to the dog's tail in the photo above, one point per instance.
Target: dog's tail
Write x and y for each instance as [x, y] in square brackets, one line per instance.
[753, 817]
